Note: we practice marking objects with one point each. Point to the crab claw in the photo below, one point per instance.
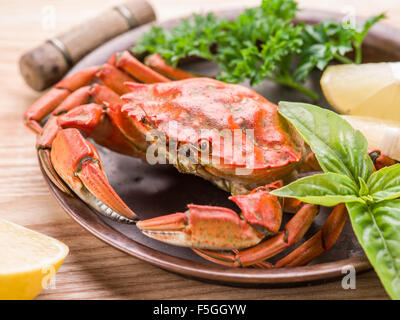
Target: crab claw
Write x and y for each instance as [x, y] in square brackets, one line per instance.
[202, 227]
[78, 164]
[218, 228]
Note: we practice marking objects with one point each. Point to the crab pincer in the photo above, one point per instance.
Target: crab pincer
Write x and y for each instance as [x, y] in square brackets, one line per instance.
[77, 162]
[211, 231]
[218, 228]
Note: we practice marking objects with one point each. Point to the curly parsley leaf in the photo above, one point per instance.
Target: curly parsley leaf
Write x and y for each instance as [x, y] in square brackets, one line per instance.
[321, 44]
[192, 37]
[262, 43]
[361, 33]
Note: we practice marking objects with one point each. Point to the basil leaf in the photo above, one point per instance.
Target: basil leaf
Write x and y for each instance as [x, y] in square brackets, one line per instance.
[326, 189]
[385, 183]
[364, 191]
[377, 228]
[338, 147]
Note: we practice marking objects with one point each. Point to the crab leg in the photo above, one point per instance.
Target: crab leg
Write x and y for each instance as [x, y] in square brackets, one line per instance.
[114, 78]
[322, 241]
[381, 160]
[305, 253]
[108, 74]
[294, 231]
[67, 101]
[157, 63]
[48, 102]
[125, 61]
[42, 107]
[59, 100]
[67, 95]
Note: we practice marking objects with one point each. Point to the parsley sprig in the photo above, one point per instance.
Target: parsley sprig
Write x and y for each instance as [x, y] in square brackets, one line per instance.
[262, 43]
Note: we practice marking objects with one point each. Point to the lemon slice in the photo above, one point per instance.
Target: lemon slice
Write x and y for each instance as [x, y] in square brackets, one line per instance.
[383, 135]
[28, 260]
[371, 89]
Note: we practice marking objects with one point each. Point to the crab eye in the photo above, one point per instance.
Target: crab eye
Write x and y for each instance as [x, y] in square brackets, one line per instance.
[204, 145]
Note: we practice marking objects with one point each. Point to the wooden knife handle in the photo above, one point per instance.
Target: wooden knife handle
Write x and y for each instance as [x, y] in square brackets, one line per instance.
[44, 65]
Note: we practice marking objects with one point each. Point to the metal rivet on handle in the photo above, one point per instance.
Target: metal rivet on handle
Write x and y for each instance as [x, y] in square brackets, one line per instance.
[63, 49]
[124, 11]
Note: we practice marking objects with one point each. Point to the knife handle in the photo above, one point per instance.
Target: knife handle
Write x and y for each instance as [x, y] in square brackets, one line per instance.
[46, 64]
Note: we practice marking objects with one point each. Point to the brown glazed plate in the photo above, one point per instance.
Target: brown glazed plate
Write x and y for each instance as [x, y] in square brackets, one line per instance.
[157, 190]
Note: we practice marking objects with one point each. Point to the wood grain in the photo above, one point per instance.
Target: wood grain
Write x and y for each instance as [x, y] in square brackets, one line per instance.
[93, 270]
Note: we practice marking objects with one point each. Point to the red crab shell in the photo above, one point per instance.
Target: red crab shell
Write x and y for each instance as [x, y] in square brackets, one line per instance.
[204, 109]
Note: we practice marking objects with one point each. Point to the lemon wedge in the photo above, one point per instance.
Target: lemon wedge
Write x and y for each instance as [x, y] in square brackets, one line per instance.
[28, 260]
[383, 135]
[371, 89]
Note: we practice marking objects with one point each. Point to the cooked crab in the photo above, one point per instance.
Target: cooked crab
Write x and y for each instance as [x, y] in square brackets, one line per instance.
[202, 127]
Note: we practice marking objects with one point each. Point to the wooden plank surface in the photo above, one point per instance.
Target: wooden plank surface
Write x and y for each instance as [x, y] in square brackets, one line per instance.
[93, 270]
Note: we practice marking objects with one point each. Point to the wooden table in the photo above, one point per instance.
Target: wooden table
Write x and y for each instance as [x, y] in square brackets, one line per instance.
[94, 270]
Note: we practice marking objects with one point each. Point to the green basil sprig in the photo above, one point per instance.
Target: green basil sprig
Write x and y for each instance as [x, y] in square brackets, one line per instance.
[372, 198]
